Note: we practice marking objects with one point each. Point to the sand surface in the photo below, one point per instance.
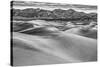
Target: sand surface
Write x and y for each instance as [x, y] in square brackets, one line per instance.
[62, 48]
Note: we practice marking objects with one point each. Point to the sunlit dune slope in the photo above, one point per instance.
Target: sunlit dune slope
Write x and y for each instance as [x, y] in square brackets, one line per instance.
[33, 49]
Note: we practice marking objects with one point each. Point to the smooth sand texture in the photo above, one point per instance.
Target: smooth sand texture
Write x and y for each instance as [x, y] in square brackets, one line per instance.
[62, 48]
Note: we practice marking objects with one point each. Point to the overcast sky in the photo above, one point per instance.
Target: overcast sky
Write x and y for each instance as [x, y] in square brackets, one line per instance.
[84, 2]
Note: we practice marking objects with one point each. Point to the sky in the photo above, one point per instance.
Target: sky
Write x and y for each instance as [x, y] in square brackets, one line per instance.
[83, 2]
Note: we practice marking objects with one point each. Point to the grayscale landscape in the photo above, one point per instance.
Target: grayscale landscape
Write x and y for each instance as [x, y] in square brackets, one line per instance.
[52, 33]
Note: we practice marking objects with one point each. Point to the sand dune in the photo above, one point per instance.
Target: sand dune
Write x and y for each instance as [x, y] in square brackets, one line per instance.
[92, 33]
[62, 48]
[18, 26]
